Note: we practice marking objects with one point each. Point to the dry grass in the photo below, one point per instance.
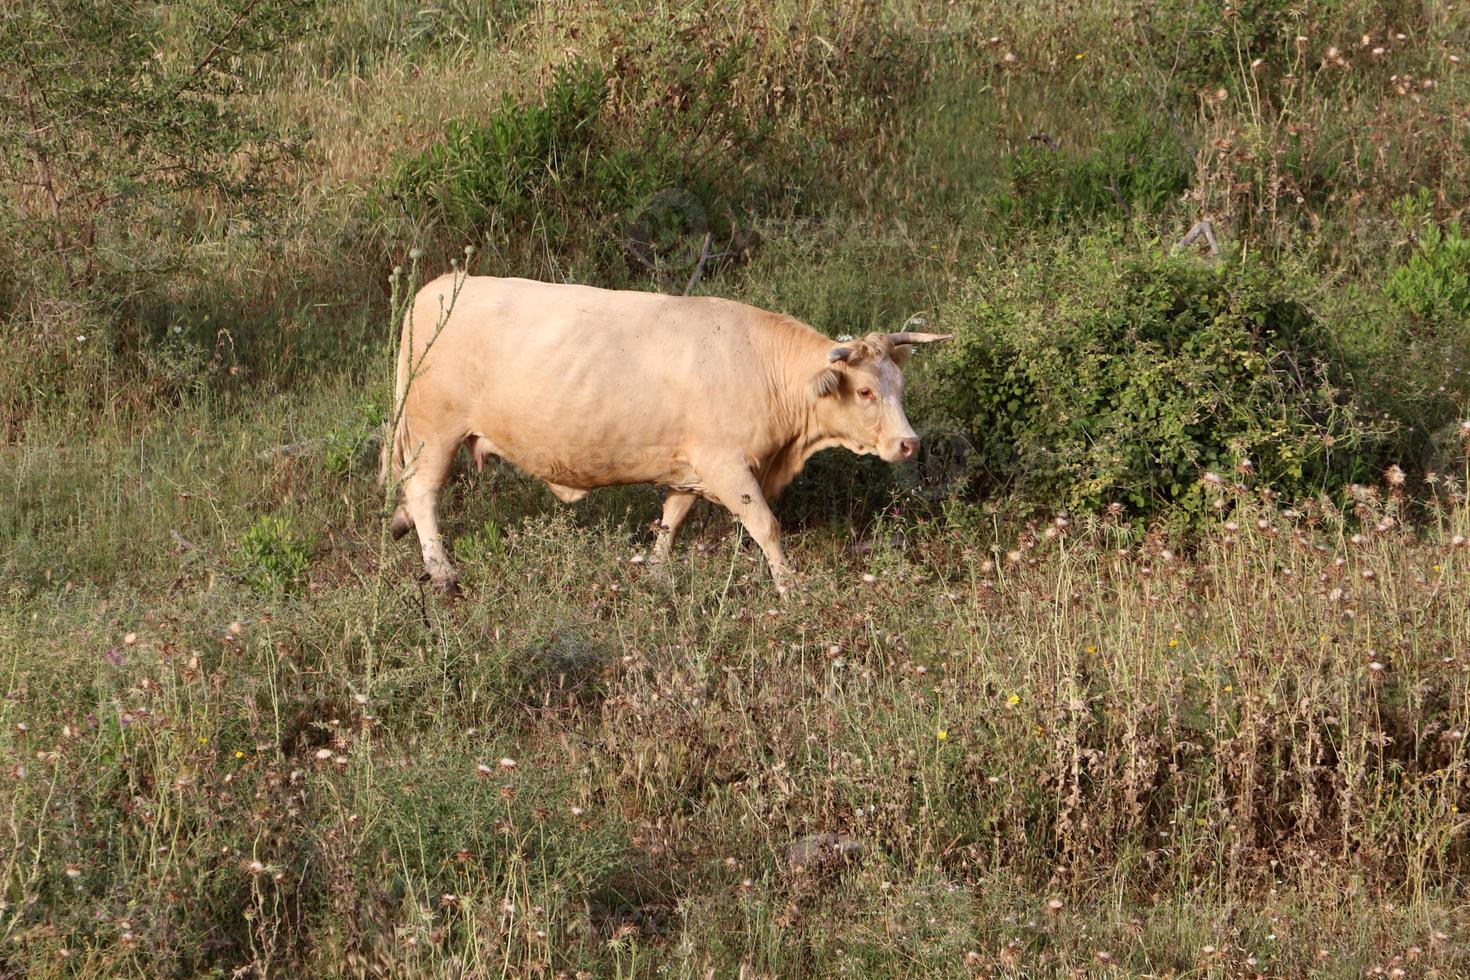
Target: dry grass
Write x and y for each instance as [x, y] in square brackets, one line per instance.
[1252, 751]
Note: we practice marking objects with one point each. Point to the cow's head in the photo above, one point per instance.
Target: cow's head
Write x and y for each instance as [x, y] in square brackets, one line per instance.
[860, 394]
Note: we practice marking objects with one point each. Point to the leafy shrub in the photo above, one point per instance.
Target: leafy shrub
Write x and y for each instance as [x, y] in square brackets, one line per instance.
[507, 163]
[127, 106]
[273, 557]
[1410, 340]
[1198, 47]
[1083, 381]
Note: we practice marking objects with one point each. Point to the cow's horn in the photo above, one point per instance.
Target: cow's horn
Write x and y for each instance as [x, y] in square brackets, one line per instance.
[838, 354]
[900, 339]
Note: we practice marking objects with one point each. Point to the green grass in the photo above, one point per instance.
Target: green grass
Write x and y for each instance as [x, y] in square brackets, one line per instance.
[237, 737]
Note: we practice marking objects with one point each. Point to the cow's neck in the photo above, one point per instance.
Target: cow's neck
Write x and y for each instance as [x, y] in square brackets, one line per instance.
[801, 353]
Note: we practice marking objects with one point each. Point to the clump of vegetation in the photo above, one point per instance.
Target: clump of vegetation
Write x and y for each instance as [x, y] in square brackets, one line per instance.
[1434, 282]
[1085, 380]
[1141, 165]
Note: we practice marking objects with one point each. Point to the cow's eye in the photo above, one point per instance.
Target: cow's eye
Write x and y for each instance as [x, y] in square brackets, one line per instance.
[865, 393]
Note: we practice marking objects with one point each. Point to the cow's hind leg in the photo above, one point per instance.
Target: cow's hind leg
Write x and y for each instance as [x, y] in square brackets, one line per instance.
[676, 508]
[429, 470]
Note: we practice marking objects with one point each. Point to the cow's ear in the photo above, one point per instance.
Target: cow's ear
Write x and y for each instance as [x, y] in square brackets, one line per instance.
[827, 382]
[900, 354]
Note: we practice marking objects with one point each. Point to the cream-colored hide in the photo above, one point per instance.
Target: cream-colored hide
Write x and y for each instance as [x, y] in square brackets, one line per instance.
[587, 388]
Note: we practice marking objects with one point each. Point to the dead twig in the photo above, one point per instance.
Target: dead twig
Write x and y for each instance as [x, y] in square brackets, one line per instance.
[1200, 228]
[1118, 196]
[699, 266]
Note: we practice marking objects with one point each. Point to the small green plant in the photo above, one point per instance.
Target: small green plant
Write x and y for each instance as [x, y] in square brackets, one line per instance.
[348, 444]
[1433, 283]
[273, 557]
[487, 540]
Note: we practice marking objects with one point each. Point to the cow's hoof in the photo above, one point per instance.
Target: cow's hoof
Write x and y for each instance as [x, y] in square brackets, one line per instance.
[401, 524]
[784, 580]
[445, 585]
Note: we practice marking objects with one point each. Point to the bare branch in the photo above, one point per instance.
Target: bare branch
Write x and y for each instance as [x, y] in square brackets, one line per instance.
[1200, 228]
[220, 42]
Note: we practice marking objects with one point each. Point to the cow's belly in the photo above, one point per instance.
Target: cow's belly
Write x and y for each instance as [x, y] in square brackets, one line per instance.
[588, 466]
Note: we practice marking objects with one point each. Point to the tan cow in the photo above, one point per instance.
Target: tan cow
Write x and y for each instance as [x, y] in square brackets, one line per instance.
[587, 388]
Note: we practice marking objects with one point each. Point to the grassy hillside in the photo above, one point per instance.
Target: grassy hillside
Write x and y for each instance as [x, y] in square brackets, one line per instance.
[1154, 664]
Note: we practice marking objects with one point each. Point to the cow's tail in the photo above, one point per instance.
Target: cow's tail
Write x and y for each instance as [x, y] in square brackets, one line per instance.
[394, 455]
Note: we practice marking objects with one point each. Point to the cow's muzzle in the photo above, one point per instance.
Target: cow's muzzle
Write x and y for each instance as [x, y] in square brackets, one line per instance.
[902, 449]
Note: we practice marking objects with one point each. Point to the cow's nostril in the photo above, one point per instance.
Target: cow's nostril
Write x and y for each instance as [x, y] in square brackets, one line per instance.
[908, 447]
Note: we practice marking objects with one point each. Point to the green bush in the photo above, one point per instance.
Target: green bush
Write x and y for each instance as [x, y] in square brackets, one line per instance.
[1083, 380]
[557, 169]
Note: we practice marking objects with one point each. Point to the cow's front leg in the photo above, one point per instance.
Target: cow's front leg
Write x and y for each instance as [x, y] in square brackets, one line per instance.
[740, 492]
[676, 508]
